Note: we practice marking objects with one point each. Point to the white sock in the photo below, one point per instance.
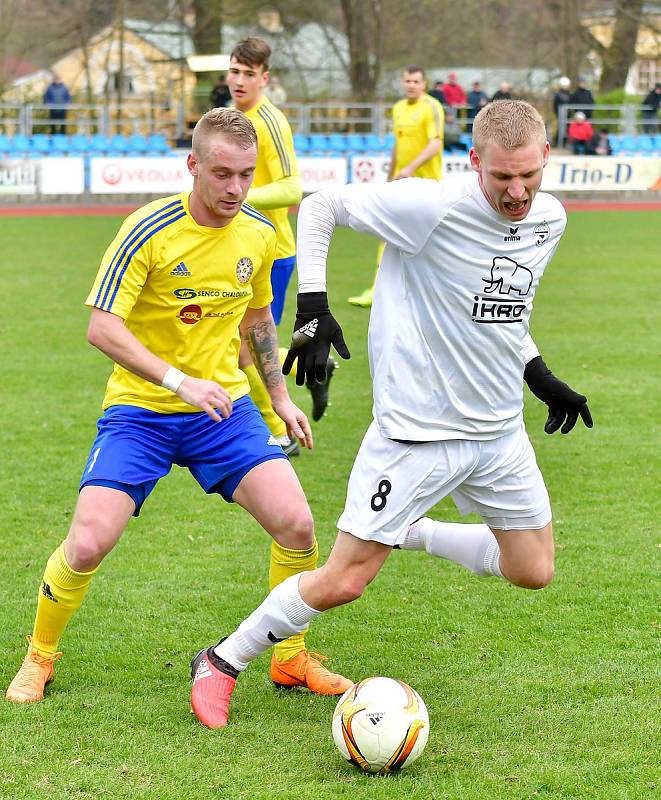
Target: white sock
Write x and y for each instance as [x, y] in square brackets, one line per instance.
[282, 614]
[472, 546]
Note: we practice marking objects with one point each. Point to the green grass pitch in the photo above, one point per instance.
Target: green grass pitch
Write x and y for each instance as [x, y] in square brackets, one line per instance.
[549, 694]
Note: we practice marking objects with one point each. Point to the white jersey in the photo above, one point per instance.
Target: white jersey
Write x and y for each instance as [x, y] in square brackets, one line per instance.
[449, 323]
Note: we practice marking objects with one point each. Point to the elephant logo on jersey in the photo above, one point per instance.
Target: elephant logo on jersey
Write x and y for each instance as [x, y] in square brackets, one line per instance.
[508, 277]
[541, 233]
[244, 270]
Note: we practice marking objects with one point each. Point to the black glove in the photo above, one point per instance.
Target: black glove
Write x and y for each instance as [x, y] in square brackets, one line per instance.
[564, 403]
[315, 330]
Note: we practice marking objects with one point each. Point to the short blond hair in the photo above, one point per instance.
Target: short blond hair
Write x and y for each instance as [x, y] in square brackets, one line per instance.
[508, 123]
[229, 122]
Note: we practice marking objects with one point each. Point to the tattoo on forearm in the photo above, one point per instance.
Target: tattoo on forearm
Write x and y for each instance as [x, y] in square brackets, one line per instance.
[262, 341]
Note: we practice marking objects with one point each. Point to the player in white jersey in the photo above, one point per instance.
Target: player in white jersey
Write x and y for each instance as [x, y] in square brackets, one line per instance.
[452, 302]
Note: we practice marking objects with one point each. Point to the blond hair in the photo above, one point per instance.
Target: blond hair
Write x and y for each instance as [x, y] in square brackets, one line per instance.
[508, 123]
[229, 122]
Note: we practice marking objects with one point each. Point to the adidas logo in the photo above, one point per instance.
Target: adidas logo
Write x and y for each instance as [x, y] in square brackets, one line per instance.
[45, 590]
[375, 717]
[304, 334]
[203, 670]
[181, 271]
[273, 440]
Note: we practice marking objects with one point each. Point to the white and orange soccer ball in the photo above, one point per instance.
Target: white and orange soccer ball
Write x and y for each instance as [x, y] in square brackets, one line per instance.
[380, 725]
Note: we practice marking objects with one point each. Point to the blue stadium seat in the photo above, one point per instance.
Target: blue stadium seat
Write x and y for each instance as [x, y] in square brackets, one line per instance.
[60, 145]
[319, 143]
[628, 144]
[467, 139]
[646, 144]
[79, 143]
[337, 143]
[356, 143]
[657, 141]
[373, 143]
[158, 143]
[99, 143]
[119, 143]
[301, 143]
[389, 141]
[20, 144]
[138, 143]
[5, 146]
[41, 143]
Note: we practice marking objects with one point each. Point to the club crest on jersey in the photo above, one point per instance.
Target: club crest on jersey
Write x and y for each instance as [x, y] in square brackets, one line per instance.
[244, 270]
[541, 233]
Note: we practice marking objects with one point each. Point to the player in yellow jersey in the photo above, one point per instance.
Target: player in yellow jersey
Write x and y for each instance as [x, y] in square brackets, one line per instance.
[185, 278]
[276, 187]
[417, 121]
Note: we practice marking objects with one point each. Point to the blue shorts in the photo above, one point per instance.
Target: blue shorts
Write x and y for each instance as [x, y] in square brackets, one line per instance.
[135, 447]
[281, 272]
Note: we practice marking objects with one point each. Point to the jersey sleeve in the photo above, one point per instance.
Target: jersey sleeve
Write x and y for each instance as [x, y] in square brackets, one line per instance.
[435, 123]
[123, 271]
[402, 213]
[277, 146]
[262, 293]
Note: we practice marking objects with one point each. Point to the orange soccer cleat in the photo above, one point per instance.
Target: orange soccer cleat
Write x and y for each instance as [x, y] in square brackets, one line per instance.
[35, 672]
[305, 669]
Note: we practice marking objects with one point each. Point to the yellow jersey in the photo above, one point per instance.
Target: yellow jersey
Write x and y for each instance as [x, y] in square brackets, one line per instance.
[182, 290]
[276, 159]
[415, 125]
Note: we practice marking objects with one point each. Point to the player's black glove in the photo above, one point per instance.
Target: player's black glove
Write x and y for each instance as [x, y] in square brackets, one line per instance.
[564, 403]
[315, 330]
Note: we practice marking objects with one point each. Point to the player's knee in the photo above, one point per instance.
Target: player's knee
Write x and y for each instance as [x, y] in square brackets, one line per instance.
[533, 576]
[295, 528]
[87, 546]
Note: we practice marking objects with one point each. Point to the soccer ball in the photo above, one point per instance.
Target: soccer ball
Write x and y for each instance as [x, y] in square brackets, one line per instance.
[380, 725]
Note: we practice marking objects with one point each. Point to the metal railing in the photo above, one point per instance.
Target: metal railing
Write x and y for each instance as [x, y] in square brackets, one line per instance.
[148, 115]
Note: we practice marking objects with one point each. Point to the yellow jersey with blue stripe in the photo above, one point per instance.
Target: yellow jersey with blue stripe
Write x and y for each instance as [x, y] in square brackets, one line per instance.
[182, 290]
[415, 125]
[276, 159]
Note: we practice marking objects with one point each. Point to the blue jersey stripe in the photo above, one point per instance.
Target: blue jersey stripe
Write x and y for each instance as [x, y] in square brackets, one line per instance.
[257, 214]
[121, 250]
[249, 211]
[142, 242]
[274, 128]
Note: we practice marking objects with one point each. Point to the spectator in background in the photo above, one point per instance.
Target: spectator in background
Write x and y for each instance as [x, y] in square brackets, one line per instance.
[580, 133]
[452, 133]
[221, 97]
[582, 96]
[476, 99]
[453, 93]
[653, 101]
[57, 95]
[504, 93]
[561, 98]
[437, 93]
[275, 91]
[600, 145]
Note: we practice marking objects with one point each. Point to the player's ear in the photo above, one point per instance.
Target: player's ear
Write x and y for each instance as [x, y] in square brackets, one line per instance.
[547, 153]
[474, 159]
[191, 163]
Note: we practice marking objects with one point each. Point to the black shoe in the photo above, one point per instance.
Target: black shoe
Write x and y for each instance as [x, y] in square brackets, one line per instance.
[292, 449]
[319, 391]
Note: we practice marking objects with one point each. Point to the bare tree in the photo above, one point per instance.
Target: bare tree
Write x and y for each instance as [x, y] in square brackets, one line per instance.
[208, 17]
[617, 58]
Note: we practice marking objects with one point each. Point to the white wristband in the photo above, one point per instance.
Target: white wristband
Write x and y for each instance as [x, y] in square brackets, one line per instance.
[173, 379]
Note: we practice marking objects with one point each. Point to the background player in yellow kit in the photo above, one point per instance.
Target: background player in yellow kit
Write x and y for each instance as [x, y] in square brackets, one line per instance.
[276, 187]
[185, 277]
[417, 121]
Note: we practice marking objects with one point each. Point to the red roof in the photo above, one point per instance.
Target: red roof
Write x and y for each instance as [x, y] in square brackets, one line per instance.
[12, 68]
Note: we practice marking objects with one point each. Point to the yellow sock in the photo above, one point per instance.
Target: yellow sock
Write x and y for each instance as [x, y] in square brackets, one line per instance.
[60, 596]
[263, 402]
[284, 563]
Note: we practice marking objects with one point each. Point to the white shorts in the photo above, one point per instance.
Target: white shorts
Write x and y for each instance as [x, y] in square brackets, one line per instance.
[392, 484]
